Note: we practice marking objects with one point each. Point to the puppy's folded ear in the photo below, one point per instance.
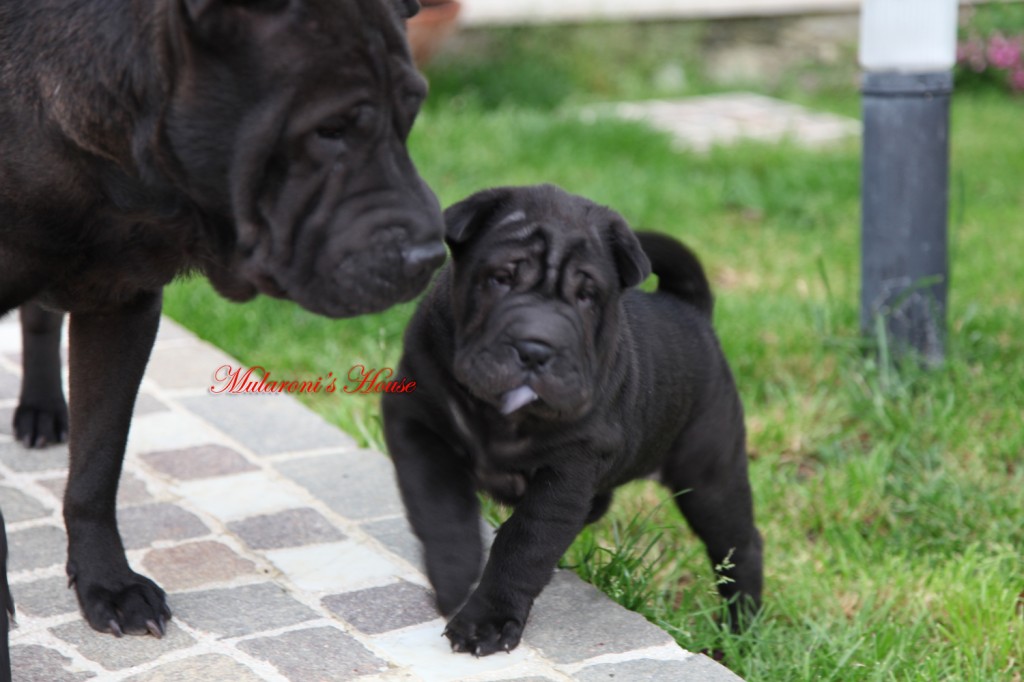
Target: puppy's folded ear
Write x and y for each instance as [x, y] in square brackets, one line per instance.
[630, 259]
[464, 219]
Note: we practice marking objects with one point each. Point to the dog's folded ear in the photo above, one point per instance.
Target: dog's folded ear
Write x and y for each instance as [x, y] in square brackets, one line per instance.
[407, 9]
[198, 8]
[630, 259]
[220, 22]
[464, 219]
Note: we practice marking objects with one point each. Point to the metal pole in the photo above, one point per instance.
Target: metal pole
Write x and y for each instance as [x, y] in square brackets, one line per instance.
[904, 189]
[907, 49]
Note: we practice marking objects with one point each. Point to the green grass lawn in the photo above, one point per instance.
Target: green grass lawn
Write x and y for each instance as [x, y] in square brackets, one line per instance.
[892, 503]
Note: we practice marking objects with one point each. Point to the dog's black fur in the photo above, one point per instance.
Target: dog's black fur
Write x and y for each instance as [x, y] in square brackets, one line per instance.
[261, 143]
[537, 303]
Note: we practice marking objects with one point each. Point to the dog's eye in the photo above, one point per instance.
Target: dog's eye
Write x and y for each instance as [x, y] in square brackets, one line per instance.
[587, 291]
[334, 132]
[501, 279]
[358, 119]
[336, 128]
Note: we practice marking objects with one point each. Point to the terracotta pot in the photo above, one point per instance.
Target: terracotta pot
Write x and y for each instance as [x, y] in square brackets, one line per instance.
[428, 30]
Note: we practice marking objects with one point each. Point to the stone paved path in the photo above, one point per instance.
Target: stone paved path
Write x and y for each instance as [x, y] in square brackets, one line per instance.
[700, 123]
[284, 551]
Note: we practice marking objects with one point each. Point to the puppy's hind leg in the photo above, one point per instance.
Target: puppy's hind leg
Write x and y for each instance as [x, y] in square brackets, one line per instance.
[41, 417]
[707, 472]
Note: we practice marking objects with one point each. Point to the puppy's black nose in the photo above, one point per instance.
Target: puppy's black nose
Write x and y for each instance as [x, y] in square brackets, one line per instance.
[422, 259]
[533, 354]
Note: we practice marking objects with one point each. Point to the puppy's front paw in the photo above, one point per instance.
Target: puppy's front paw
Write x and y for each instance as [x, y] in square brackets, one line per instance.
[483, 634]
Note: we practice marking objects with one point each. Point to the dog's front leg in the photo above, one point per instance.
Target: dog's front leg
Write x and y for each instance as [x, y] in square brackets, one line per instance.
[109, 352]
[441, 504]
[523, 558]
[41, 417]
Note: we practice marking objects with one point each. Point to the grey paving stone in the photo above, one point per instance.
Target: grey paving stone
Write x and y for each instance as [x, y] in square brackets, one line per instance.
[203, 461]
[34, 663]
[10, 385]
[185, 365]
[19, 458]
[172, 331]
[358, 484]
[572, 621]
[725, 118]
[6, 415]
[146, 403]
[702, 669]
[195, 564]
[143, 525]
[386, 608]
[322, 653]
[267, 424]
[395, 534]
[118, 653]
[696, 668]
[44, 598]
[237, 611]
[130, 489]
[36, 548]
[17, 506]
[292, 528]
[204, 668]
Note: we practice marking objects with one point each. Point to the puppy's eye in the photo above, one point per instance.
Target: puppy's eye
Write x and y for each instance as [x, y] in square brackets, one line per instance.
[501, 279]
[585, 296]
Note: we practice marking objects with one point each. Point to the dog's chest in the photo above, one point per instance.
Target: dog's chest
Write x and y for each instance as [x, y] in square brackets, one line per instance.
[499, 456]
[111, 270]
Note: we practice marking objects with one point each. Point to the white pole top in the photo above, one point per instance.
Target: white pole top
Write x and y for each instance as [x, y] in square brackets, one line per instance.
[908, 35]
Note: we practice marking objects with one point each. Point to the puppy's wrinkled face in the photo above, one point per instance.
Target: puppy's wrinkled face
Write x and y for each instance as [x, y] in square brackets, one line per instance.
[538, 275]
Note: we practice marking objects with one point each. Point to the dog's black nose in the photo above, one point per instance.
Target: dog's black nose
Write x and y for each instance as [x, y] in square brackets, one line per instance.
[533, 354]
[423, 259]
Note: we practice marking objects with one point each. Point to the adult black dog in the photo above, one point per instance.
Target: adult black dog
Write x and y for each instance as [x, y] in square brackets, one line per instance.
[542, 379]
[260, 143]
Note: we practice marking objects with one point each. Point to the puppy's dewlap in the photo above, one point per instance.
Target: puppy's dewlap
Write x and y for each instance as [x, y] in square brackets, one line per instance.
[516, 399]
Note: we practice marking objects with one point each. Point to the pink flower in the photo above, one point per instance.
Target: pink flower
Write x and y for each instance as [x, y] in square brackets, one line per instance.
[972, 55]
[1017, 79]
[1003, 53]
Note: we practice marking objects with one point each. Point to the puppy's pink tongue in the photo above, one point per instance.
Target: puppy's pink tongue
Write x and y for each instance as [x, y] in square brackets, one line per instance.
[517, 398]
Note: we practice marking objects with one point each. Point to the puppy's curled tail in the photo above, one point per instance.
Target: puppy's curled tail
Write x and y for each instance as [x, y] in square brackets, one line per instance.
[678, 269]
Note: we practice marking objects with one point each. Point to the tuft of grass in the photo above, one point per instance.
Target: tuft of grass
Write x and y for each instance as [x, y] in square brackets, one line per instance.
[889, 497]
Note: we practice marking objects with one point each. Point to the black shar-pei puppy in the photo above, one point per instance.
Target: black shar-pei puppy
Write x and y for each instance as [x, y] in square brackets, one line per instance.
[261, 143]
[543, 379]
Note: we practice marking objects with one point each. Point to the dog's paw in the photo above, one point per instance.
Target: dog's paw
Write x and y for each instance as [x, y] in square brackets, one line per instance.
[130, 604]
[37, 427]
[483, 636]
[453, 577]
